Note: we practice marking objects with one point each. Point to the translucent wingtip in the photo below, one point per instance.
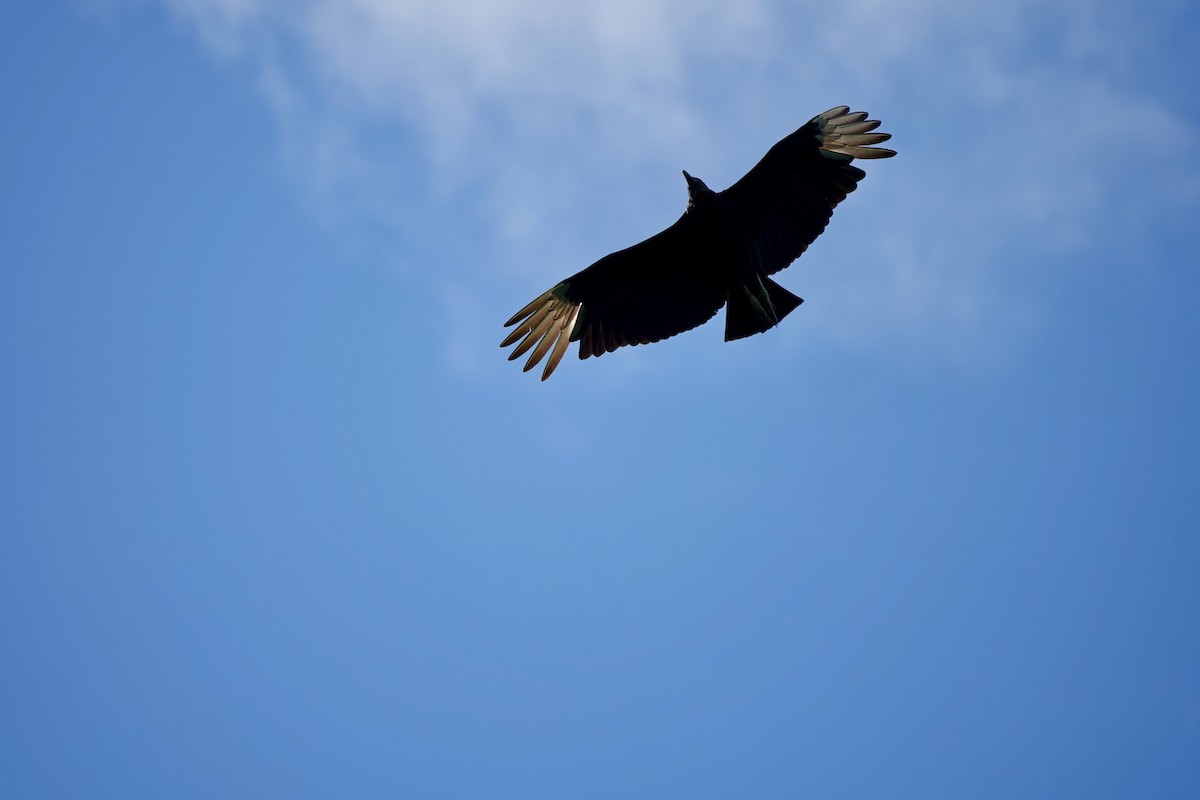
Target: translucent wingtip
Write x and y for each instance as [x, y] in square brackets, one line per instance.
[544, 326]
[850, 134]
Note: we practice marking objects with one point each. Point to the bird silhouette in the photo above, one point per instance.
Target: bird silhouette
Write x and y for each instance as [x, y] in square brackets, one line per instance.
[720, 252]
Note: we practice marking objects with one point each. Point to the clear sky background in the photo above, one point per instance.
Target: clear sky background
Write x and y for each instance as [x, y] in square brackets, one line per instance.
[280, 521]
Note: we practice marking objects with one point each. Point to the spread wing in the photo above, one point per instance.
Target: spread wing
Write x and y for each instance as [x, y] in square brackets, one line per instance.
[666, 285]
[786, 200]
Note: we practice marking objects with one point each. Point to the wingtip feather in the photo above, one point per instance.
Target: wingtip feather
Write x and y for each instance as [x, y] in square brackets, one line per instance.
[847, 133]
[544, 325]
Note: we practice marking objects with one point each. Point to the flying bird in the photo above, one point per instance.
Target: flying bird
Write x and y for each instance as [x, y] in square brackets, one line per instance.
[721, 252]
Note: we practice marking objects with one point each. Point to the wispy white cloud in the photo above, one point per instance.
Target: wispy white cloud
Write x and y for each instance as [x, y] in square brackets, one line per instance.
[1024, 132]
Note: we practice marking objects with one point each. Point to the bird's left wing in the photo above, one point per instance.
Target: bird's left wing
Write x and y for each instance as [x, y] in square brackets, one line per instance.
[665, 285]
[786, 200]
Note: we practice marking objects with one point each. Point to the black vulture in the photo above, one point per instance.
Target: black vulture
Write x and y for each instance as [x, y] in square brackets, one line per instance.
[721, 251]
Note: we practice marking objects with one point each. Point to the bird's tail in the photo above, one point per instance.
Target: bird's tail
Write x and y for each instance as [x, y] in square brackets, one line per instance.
[755, 306]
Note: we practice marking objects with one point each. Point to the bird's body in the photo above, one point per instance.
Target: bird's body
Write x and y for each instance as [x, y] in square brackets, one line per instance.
[722, 251]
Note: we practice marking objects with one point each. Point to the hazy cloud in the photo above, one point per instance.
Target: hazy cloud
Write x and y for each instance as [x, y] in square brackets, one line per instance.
[1024, 130]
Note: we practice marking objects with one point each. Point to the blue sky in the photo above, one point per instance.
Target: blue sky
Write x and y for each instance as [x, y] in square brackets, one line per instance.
[279, 520]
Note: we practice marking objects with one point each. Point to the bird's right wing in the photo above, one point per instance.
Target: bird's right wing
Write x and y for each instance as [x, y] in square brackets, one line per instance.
[786, 200]
[665, 285]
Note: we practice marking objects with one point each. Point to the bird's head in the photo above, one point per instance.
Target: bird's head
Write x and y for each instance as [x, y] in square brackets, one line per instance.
[696, 189]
